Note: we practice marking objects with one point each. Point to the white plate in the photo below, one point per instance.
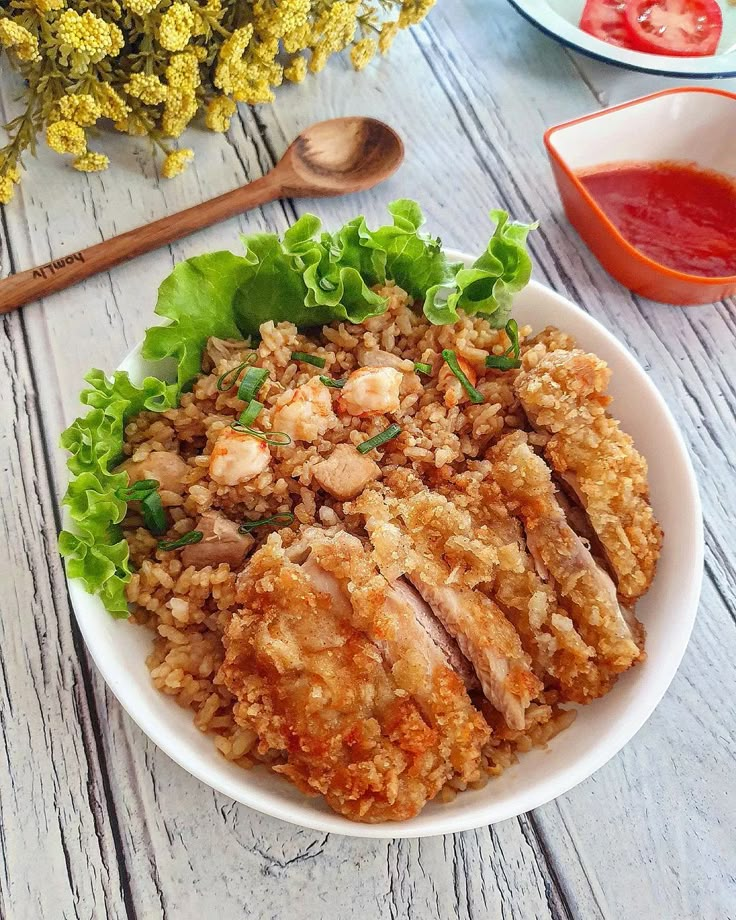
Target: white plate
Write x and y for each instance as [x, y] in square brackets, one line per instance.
[559, 19]
[600, 731]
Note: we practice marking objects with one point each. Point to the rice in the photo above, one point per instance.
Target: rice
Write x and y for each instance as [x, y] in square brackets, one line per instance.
[188, 609]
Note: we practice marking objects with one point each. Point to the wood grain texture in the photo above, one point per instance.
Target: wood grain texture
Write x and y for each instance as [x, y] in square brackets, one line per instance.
[123, 832]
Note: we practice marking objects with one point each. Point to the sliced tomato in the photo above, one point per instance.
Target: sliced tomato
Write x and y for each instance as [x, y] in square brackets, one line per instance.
[683, 28]
[606, 19]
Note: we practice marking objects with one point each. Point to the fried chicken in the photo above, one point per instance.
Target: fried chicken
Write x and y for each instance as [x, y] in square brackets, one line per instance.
[333, 673]
[564, 395]
[422, 534]
[585, 590]
[558, 653]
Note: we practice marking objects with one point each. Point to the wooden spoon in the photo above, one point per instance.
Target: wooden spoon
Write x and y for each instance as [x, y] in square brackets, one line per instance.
[330, 158]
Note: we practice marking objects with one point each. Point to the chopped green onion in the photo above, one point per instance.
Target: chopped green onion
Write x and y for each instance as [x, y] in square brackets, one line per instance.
[421, 368]
[451, 360]
[250, 413]
[504, 362]
[380, 439]
[274, 438]
[251, 383]
[138, 491]
[335, 384]
[282, 519]
[153, 513]
[229, 378]
[186, 539]
[308, 359]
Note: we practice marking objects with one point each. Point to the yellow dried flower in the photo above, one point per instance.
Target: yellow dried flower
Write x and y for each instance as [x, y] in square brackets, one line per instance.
[177, 27]
[183, 71]
[111, 104]
[281, 19]
[23, 43]
[7, 190]
[389, 31]
[176, 162]
[413, 12]
[219, 112]
[48, 6]
[91, 162]
[337, 25]
[66, 137]
[87, 39]
[141, 7]
[147, 87]
[319, 57]
[362, 53]
[7, 184]
[180, 109]
[296, 69]
[81, 108]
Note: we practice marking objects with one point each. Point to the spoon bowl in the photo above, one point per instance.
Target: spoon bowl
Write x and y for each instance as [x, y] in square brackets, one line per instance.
[340, 156]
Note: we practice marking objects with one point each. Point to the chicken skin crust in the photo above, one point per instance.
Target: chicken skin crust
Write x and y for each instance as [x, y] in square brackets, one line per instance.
[334, 708]
[564, 395]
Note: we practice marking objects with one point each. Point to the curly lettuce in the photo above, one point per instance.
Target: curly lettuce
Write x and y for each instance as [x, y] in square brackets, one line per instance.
[307, 277]
[95, 550]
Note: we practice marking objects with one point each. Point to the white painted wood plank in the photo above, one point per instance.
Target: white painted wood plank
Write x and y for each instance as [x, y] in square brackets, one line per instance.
[58, 853]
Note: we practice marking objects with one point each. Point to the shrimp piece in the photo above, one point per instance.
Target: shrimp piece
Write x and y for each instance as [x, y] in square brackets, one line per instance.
[371, 391]
[305, 413]
[237, 457]
[453, 389]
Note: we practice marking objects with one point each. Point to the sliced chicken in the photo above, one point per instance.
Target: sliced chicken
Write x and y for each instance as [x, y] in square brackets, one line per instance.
[171, 471]
[586, 590]
[437, 633]
[417, 527]
[221, 542]
[564, 395]
[345, 473]
[377, 727]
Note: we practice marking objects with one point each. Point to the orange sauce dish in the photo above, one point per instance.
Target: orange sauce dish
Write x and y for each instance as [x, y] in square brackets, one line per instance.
[678, 215]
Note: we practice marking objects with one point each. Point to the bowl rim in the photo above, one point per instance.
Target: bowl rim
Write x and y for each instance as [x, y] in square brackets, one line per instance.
[715, 281]
[87, 606]
[557, 27]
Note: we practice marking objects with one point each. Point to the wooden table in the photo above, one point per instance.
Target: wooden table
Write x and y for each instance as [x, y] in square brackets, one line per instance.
[95, 821]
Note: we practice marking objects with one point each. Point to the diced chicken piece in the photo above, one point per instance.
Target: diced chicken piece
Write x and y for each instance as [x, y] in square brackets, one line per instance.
[221, 542]
[345, 473]
[163, 465]
[448, 382]
[237, 457]
[371, 391]
[305, 413]
[584, 587]
[336, 680]
[374, 357]
[479, 627]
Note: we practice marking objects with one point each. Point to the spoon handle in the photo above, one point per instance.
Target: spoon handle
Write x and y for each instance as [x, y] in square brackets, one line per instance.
[67, 270]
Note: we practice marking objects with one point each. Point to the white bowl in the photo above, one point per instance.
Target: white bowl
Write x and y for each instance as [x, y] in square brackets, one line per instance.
[559, 19]
[119, 649]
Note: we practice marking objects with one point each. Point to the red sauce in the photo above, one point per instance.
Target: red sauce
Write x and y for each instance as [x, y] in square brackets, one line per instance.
[680, 216]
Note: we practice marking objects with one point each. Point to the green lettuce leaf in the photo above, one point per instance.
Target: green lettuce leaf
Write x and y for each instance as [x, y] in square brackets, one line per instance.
[488, 286]
[308, 277]
[96, 552]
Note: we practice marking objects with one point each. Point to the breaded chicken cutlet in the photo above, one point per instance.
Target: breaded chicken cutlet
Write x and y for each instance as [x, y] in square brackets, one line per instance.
[564, 396]
[584, 588]
[332, 671]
